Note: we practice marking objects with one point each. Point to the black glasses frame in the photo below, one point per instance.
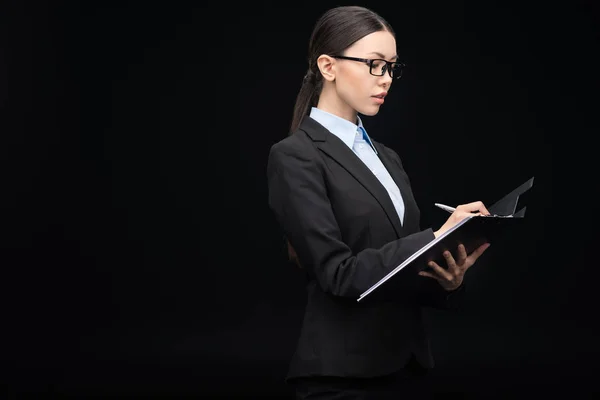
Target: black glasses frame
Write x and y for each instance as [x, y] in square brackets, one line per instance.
[371, 61]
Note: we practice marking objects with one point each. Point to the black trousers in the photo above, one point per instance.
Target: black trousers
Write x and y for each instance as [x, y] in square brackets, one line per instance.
[409, 383]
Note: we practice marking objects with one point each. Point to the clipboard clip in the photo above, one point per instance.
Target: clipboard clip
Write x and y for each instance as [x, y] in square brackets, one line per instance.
[508, 204]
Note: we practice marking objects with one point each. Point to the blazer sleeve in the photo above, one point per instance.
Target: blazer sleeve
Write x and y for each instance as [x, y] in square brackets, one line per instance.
[428, 291]
[298, 197]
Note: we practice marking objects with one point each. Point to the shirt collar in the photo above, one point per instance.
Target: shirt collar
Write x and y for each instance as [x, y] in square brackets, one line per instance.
[345, 130]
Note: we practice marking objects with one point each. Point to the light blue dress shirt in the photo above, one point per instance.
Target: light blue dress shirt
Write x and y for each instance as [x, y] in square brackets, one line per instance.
[356, 138]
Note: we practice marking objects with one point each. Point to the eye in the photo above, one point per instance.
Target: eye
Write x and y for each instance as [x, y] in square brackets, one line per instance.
[378, 64]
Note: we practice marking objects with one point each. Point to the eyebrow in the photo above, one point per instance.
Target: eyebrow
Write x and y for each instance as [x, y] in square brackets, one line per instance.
[382, 56]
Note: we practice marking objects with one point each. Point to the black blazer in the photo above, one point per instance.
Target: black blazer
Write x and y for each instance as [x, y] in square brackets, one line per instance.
[347, 235]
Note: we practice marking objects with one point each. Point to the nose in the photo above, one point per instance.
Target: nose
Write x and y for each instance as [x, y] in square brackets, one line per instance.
[386, 80]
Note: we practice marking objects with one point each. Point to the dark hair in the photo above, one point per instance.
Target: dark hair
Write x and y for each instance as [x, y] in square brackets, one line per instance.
[335, 31]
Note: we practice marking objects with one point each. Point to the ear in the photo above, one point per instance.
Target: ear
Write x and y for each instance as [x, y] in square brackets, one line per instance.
[327, 66]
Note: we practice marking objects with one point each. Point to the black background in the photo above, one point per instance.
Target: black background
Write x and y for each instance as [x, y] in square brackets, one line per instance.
[139, 255]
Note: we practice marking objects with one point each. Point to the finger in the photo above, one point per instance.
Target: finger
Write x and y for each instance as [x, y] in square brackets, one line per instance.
[476, 206]
[462, 254]
[441, 272]
[475, 254]
[429, 275]
[450, 261]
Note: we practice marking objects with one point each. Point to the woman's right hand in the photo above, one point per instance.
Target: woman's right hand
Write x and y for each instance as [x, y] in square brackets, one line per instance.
[461, 212]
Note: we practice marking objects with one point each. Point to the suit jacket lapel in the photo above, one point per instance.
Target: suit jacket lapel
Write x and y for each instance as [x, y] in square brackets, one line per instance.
[337, 150]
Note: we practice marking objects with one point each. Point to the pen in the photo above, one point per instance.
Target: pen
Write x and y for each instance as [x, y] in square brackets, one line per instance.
[445, 207]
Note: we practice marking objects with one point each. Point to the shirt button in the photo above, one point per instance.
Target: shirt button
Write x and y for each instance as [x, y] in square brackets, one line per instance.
[361, 146]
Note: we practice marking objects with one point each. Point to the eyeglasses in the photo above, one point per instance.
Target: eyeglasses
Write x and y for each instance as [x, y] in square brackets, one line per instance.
[378, 66]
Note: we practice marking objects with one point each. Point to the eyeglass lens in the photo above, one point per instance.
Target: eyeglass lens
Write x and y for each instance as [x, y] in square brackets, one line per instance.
[380, 67]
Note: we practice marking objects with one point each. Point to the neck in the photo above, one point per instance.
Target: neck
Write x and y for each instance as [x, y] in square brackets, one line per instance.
[330, 102]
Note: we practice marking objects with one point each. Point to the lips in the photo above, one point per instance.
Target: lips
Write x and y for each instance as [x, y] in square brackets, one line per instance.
[380, 95]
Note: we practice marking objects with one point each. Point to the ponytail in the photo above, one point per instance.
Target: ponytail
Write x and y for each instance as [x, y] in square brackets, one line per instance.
[307, 97]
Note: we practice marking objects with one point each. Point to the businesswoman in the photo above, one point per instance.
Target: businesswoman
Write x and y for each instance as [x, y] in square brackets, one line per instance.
[345, 204]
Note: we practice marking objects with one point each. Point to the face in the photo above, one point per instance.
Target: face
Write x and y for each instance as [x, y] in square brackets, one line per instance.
[354, 85]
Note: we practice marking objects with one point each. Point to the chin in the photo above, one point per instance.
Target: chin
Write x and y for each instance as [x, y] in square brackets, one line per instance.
[369, 111]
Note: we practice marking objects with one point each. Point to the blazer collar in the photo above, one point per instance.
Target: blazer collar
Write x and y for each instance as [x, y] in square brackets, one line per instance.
[339, 151]
[345, 130]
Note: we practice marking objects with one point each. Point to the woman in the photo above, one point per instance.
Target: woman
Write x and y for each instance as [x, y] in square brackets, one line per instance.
[345, 204]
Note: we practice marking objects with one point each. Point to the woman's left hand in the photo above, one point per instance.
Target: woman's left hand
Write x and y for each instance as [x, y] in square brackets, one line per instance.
[452, 277]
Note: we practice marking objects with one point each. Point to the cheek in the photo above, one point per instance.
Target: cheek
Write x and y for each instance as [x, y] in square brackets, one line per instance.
[355, 87]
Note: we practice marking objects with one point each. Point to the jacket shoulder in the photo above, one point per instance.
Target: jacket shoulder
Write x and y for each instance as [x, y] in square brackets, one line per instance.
[298, 143]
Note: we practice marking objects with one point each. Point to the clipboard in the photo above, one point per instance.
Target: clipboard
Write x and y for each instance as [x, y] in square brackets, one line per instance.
[472, 232]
